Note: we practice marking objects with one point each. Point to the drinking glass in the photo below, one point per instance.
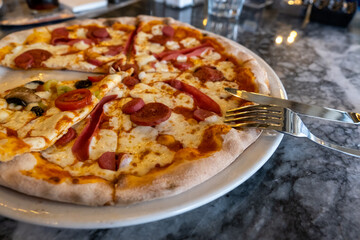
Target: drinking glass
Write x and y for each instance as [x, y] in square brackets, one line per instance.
[225, 8]
[39, 6]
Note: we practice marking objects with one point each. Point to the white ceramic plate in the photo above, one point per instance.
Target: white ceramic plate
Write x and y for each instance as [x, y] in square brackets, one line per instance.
[49, 213]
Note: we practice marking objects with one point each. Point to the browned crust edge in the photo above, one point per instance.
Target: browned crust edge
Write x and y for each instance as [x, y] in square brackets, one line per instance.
[184, 175]
[20, 37]
[93, 194]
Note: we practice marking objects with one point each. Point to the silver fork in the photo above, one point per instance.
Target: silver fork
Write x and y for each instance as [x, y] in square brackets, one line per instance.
[280, 119]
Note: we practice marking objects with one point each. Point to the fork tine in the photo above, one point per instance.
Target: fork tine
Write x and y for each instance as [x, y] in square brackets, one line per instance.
[255, 113]
[256, 108]
[259, 113]
[255, 125]
[255, 118]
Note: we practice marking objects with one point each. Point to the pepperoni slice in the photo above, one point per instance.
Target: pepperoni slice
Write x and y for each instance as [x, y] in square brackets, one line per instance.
[201, 99]
[97, 33]
[133, 106]
[59, 36]
[119, 66]
[32, 58]
[182, 66]
[114, 50]
[74, 99]
[194, 53]
[130, 81]
[151, 114]
[100, 33]
[70, 135]
[160, 39]
[80, 149]
[198, 52]
[94, 62]
[96, 78]
[208, 73]
[108, 161]
[24, 61]
[129, 41]
[168, 31]
[201, 114]
[175, 53]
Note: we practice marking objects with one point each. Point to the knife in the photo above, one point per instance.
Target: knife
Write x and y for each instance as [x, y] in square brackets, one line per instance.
[301, 108]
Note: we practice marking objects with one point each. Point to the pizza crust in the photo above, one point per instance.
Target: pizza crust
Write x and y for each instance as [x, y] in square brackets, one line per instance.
[183, 175]
[11, 176]
[176, 178]
[18, 38]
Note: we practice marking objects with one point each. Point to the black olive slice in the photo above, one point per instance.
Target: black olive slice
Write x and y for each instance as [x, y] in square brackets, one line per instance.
[83, 84]
[16, 101]
[38, 82]
[38, 111]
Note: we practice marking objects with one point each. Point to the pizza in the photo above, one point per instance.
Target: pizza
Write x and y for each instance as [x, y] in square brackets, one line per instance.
[149, 125]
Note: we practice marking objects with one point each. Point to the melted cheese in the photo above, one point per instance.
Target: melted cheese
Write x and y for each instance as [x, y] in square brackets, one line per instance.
[6, 50]
[3, 103]
[162, 66]
[144, 59]
[148, 78]
[90, 168]
[157, 29]
[227, 68]
[19, 119]
[190, 42]
[172, 45]
[210, 56]
[11, 146]
[78, 33]
[155, 48]
[141, 143]
[81, 45]
[105, 141]
[4, 115]
[40, 35]
[141, 43]
[61, 156]
[117, 38]
[36, 143]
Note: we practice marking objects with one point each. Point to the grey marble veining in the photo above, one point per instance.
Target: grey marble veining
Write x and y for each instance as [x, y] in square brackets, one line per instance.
[303, 191]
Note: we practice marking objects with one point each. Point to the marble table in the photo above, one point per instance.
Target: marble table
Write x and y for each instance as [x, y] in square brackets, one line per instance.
[303, 191]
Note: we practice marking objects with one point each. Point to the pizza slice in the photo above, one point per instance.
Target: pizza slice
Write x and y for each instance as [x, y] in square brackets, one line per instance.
[154, 126]
[152, 139]
[35, 115]
[87, 45]
[164, 45]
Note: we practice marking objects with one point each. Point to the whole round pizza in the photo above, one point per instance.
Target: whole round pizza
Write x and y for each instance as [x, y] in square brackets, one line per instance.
[147, 123]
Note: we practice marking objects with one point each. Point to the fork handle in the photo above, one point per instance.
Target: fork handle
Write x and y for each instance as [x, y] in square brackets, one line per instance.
[345, 150]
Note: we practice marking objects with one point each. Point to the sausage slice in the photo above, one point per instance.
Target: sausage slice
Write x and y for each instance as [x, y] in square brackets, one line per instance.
[208, 73]
[151, 114]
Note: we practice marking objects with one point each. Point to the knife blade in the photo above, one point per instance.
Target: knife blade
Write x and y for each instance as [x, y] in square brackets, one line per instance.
[301, 108]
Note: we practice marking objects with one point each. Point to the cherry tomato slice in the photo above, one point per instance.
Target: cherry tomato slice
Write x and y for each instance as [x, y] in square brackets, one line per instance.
[96, 78]
[70, 135]
[73, 100]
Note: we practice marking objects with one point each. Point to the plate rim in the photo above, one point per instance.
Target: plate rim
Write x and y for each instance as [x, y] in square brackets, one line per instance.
[32, 214]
